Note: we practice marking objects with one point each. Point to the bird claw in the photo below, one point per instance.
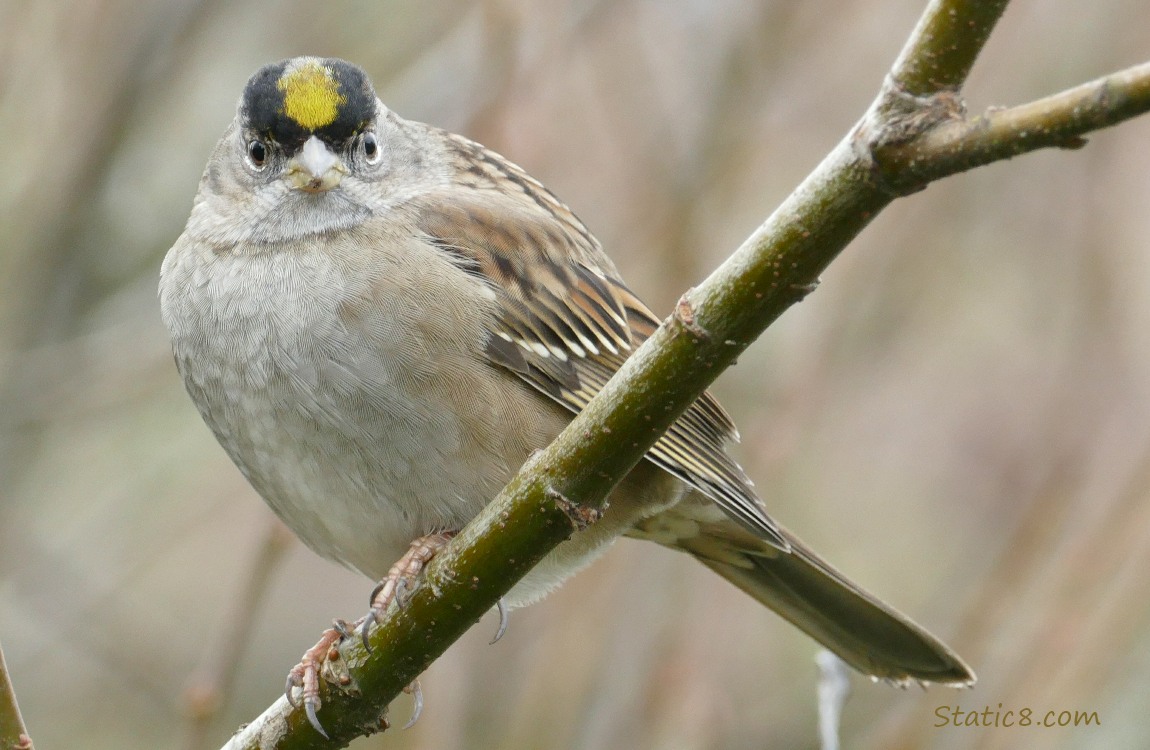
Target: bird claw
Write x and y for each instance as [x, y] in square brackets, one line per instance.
[343, 629]
[503, 618]
[394, 586]
[310, 707]
[364, 628]
[417, 710]
[289, 690]
[305, 675]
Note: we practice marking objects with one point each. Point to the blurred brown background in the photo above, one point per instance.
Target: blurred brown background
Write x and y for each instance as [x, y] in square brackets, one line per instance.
[959, 417]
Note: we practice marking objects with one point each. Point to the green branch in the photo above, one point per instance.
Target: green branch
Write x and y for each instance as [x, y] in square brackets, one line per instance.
[1057, 121]
[945, 43]
[561, 488]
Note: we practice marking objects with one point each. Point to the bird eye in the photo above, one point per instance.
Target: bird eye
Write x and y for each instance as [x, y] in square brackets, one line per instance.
[257, 153]
[370, 148]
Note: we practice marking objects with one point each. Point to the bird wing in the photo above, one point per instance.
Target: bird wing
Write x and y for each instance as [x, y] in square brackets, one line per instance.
[567, 322]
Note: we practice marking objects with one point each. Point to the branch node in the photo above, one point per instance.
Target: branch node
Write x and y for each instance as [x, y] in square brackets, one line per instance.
[335, 671]
[581, 516]
[903, 116]
[898, 118]
[685, 315]
[804, 289]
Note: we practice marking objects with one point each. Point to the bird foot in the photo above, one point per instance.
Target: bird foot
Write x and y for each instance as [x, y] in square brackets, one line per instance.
[324, 656]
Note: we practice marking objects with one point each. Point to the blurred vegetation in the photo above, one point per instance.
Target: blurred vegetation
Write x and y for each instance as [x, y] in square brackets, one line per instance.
[959, 417]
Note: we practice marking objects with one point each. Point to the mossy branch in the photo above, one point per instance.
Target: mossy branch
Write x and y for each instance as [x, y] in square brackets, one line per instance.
[915, 132]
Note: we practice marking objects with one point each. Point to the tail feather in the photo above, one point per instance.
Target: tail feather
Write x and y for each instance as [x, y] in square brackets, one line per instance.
[863, 631]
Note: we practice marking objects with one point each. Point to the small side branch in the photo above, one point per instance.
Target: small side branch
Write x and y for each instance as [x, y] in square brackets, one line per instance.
[214, 687]
[1057, 121]
[942, 49]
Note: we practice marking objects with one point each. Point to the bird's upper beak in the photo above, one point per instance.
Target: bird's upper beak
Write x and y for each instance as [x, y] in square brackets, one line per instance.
[315, 168]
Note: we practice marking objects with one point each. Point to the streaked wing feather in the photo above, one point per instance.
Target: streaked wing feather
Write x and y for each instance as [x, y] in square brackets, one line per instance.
[569, 325]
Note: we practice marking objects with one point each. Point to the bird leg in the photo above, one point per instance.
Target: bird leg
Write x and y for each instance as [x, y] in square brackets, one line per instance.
[305, 675]
[393, 587]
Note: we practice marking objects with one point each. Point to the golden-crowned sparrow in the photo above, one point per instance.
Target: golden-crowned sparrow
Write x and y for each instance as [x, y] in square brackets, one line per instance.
[381, 320]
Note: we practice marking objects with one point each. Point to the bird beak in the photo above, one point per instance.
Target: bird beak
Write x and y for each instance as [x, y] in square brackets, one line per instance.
[315, 169]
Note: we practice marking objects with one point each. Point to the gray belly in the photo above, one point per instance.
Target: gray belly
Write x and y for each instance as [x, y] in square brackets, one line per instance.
[340, 424]
[360, 408]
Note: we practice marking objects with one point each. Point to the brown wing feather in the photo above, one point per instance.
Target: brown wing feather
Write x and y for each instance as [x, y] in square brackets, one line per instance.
[569, 324]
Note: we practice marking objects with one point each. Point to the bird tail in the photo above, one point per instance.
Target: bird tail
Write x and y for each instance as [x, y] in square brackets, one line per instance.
[862, 630]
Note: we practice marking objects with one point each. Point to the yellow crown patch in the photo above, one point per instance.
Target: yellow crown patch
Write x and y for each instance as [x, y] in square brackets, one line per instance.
[311, 95]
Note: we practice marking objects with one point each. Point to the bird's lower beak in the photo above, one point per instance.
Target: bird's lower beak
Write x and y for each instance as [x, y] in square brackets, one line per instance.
[315, 169]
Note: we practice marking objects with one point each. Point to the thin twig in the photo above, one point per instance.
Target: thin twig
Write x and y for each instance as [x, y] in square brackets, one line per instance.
[211, 692]
[942, 48]
[13, 734]
[1057, 121]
